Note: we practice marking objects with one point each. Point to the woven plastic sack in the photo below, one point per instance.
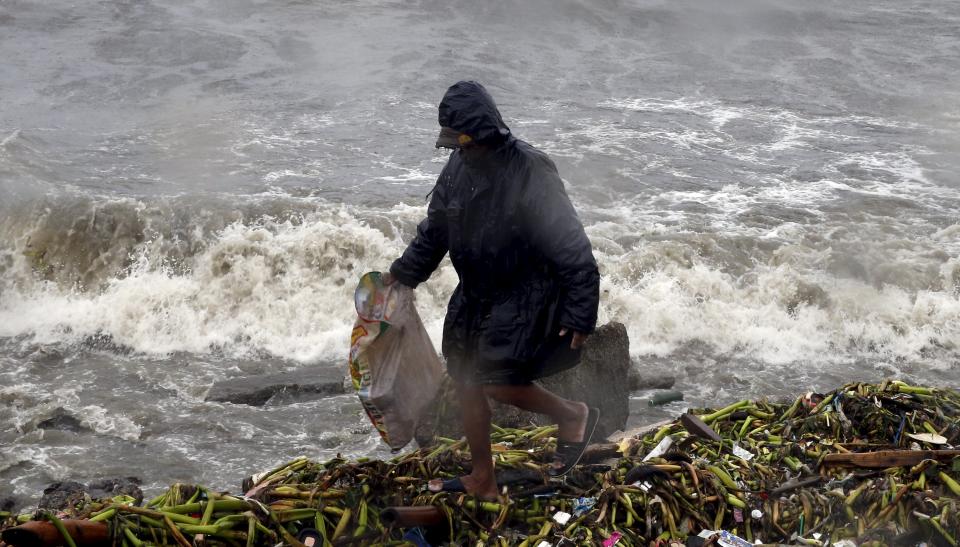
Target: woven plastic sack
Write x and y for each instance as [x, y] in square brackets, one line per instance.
[394, 367]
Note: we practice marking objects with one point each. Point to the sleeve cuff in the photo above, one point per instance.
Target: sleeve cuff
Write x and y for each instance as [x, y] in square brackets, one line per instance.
[402, 276]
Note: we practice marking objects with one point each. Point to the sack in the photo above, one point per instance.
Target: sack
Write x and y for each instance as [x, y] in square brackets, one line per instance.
[394, 367]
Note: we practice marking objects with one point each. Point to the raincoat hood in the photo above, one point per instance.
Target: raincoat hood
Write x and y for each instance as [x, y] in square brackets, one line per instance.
[468, 108]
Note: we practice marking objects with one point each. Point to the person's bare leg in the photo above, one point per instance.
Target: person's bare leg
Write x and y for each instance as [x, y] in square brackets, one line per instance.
[570, 416]
[475, 413]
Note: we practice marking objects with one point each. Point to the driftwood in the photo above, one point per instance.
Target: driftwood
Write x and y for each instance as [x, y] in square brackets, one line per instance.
[798, 483]
[882, 459]
[696, 427]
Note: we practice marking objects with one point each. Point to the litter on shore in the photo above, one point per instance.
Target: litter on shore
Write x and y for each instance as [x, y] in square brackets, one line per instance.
[866, 464]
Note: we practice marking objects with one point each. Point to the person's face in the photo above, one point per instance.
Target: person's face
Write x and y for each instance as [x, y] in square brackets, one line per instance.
[473, 154]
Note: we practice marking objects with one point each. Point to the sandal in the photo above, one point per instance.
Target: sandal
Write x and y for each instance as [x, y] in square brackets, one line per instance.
[569, 452]
[449, 485]
[455, 485]
[310, 537]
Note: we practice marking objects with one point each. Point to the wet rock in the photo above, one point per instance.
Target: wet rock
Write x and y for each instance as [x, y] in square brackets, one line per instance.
[108, 488]
[600, 380]
[46, 358]
[62, 495]
[8, 503]
[642, 377]
[63, 421]
[283, 388]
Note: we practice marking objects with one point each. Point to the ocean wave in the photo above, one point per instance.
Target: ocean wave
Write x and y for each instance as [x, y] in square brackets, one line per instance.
[275, 276]
[31, 405]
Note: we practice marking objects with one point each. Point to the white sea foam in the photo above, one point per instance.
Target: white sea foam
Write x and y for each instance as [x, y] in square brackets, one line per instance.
[283, 286]
[35, 403]
[403, 173]
[280, 287]
[274, 176]
[9, 138]
[41, 457]
[769, 320]
[106, 422]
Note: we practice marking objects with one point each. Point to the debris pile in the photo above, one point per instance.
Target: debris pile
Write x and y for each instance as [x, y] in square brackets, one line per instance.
[865, 464]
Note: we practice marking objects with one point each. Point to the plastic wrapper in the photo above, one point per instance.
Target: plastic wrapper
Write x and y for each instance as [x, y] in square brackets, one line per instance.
[393, 365]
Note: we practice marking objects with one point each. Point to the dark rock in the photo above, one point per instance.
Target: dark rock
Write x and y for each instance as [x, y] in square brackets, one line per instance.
[8, 503]
[63, 421]
[600, 380]
[642, 376]
[108, 488]
[62, 495]
[282, 388]
[47, 358]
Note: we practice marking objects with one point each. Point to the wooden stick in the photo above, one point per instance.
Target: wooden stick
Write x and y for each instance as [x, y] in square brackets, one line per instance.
[882, 459]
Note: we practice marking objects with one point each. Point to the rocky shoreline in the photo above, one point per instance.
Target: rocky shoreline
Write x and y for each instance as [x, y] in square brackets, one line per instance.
[865, 464]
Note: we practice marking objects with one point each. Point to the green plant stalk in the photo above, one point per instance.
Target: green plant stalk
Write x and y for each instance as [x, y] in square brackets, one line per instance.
[488, 506]
[218, 505]
[251, 531]
[208, 508]
[228, 520]
[361, 520]
[285, 469]
[822, 404]
[951, 484]
[342, 524]
[320, 523]
[58, 524]
[175, 517]
[730, 409]
[946, 535]
[726, 479]
[905, 388]
[793, 408]
[177, 535]
[193, 529]
[793, 463]
[757, 413]
[157, 500]
[661, 433]
[150, 521]
[205, 529]
[195, 495]
[296, 514]
[131, 537]
[104, 515]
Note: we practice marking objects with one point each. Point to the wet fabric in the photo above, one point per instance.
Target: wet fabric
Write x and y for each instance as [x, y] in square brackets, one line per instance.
[525, 265]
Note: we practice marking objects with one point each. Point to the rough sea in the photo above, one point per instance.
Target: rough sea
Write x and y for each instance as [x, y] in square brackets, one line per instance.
[190, 189]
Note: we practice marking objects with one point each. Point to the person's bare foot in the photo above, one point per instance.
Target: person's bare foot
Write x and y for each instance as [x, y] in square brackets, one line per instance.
[485, 489]
[573, 429]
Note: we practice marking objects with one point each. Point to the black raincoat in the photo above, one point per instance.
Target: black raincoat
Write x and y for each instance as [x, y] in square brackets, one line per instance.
[525, 265]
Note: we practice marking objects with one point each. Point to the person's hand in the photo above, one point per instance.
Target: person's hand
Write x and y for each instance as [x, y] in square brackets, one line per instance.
[578, 338]
[388, 279]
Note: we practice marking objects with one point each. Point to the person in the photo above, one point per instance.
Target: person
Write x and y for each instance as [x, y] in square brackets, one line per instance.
[528, 287]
